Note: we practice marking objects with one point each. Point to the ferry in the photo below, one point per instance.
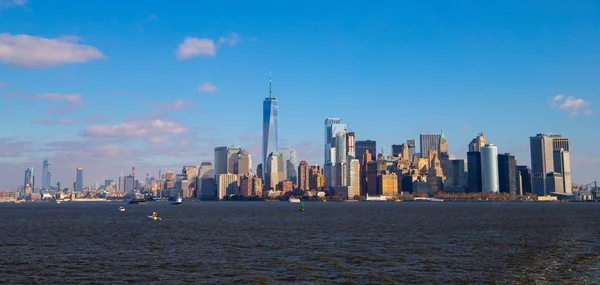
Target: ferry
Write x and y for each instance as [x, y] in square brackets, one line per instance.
[294, 200]
[424, 199]
[154, 216]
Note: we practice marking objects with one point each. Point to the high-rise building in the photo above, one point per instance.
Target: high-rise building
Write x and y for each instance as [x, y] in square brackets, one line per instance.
[332, 126]
[456, 174]
[362, 146]
[79, 179]
[543, 147]
[129, 183]
[474, 176]
[243, 163]
[274, 171]
[249, 186]
[304, 176]
[340, 147]
[354, 174]
[122, 183]
[290, 162]
[270, 126]
[220, 161]
[525, 179]
[228, 185]
[489, 168]
[507, 173]
[29, 181]
[232, 158]
[562, 165]
[388, 184]
[477, 143]
[429, 142]
[412, 147]
[351, 143]
[206, 181]
[46, 176]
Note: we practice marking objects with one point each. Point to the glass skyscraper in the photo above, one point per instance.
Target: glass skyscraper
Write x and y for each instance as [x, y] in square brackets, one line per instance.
[270, 127]
[79, 180]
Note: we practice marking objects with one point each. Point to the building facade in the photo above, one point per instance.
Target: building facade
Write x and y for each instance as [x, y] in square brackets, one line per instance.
[489, 168]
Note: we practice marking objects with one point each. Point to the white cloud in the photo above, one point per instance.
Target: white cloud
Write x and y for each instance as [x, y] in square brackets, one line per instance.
[34, 51]
[571, 104]
[139, 128]
[231, 40]
[71, 98]
[193, 46]
[207, 87]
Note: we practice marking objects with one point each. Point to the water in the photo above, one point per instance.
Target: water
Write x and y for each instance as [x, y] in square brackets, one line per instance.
[274, 243]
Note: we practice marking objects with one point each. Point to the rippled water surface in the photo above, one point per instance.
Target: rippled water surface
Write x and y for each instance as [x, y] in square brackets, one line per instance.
[274, 243]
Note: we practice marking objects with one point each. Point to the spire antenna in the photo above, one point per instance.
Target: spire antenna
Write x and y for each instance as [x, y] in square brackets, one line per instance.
[270, 84]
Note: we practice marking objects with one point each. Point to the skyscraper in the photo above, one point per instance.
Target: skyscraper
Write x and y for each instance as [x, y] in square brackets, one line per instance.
[543, 147]
[489, 168]
[243, 163]
[232, 156]
[412, 146]
[270, 126]
[351, 144]
[429, 142]
[562, 165]
[477, 143]
[29, 181]
[362, 146]
[220, 161]
[46, 178]
[474, 171]
[304, 176]
[507, 173]
[290, 163]
[79, 179]
[329, 135]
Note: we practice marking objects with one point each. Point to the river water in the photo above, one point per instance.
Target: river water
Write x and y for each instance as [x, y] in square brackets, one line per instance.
[275, 243]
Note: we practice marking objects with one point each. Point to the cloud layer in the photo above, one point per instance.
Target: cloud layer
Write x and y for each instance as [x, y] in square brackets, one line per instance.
[192, 46]
[575, 106]
[33, 51]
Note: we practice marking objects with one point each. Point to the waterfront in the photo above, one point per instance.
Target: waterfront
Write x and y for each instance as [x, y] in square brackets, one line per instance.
[270, 243]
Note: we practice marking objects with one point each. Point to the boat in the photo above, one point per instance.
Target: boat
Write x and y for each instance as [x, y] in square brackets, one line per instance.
[138, 201]
[122, 209]
[424, 199]
[58, 202]
[179, 201]
[154, 216]
[17, 202]
[294, 200]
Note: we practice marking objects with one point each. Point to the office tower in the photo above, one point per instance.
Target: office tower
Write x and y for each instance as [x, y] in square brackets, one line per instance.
[477, 143]
[388, 184]
[182, 187]
[28, 177]
[79, 179]
[362, 146]
[429, 142]
[274, 171]
[122, 183]
[474, 171]
[227, 186]
[46, 176]
[397, 150]
[341, 172]
[206, 181]
[250, 185]
[351, 144]
[542, 162]
[304, 176]
[243, 163]
[290, 163]
[412, 147]
[329, 135]
[562, 165]
[435, 176]
[489, 168]
[220, 161]
[190, 171]
[507, 173]
[354, 175]
[129, 183]
[259, 171]
[232, 153]
[526, 179]
[270, 126]
[443, 153]
[456, 174]
[554, 181]
[340, 147]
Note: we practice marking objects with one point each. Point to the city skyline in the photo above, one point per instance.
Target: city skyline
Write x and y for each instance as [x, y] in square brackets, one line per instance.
[217, 73]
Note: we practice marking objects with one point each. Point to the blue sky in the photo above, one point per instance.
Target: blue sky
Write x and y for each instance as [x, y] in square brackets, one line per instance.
[111, 84]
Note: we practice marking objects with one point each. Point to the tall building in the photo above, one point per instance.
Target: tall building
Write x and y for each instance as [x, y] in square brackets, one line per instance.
[250, 185]
[444, 156]
[362, 146]
[562, 165]
[474, 177]
[206, 181]
[79, 179]
[232, 158]
[274, 171]
[526, 179]
[304, 176]
[29, 181]
[489, 168]
[122, 183]
[329, 135]
[412, 147]
[478, 142]
[351, 143]
[456, 174]
[507, 173]
[243, 163]
[340, 147]
[354, 174]
[220, 161]
[129, 183]
[429, 142]
[543, 147]
[46, 176]
[290, 162]
[228, 185]
[270, 126]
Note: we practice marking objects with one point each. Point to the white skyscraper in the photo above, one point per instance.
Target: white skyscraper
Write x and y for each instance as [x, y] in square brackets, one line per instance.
[489, 168]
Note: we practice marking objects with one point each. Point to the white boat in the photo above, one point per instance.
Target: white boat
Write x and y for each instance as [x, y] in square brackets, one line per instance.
[294, 200]
[122, 209]
[179, 201]
[154, 216]
[424, 199]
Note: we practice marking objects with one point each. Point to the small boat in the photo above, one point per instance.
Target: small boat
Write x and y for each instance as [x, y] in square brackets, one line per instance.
[57, 201]
[294, 200]
[154, 216]
[122, 209]
[179, 201]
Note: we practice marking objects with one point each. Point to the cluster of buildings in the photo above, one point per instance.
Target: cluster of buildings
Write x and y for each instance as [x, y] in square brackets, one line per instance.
[351, 168]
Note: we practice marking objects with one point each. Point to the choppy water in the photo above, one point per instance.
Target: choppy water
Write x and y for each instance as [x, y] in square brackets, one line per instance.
[274, 243]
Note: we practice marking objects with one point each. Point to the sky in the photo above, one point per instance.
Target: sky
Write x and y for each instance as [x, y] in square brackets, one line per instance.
[108, 85]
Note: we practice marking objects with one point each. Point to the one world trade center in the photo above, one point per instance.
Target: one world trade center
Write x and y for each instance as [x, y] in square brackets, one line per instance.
[270, 127]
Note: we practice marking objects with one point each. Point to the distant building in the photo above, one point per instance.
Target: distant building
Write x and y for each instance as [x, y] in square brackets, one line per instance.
[477, 143]
[243, 164]
[285, 186]
[270, 124]
[456, 176]
[353, 176]
[388, 184]
[562, 164]
[543, 147]
[329, 135]
[129, 183]
[206, 188]
[220, 161]
[79, 179]
[362, 146]
[227, 185]
[474, 176]
[304, 176]
[232, 158]
[351, 144]
[429, 142]
[526, 185]
[489, 168]
[250, 185]
[507, 173]
[274, 171]
[412, 146]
